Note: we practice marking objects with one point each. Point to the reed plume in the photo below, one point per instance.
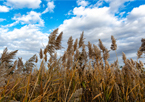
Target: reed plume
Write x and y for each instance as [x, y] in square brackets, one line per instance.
[101, 46]
[81, 41]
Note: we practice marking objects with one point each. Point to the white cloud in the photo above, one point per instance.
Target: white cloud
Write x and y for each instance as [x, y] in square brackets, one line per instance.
[116, 4]
[99, 3]
[1, 19]
[24, 3]
[82, 3]
[137, 12]
[10, 25]
[4, 9]
[31, 18]
[50, 7]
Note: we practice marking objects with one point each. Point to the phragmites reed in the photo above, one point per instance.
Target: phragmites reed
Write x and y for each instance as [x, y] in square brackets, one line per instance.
[142, 45]
[45, 51]
[113, 45]
[12, 68]
[70, 45]
[81, 41]
[75, 44]
[84, 53]
[54, 43]
[36, 59]
[58, 41]
[29, 64]
[106, 54]
[124, 57]
[97, 52]
[76, 55]
[45, 57]
[64, 57]
[7, 57]
[139, 53]
[101, 46]
[52, 37]
[41, 54]
[90, 49]
[19, 66]
[141, 63]
[20, 62]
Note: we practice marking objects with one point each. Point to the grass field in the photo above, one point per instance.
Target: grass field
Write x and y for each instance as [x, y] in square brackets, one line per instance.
[77, 76]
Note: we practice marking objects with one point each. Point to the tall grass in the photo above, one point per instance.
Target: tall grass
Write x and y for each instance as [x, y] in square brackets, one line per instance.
[77, 76]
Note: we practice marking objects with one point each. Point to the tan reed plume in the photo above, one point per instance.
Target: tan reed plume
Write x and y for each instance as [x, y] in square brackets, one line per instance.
[8, 56]
[106, 54]
[64, 57]
[58, 41]
[81, 41]
[124, 57]
[113, 45]
[142, 45]
[41, 54]
[101, 46]
[70, 44]
[90, 49]
[75, 44]
[45, 57]
[36, 59]
[97, 52]
[52, 36]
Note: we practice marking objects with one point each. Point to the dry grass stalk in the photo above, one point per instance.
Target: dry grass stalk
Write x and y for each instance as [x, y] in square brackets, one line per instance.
[75, 44]
[70, 45]
[8, 56]
[41, 54]
[90, 50]
[142, 45]
[58, 41]
[124, 57]
[81, 41]
[101, 46]
[52, 37]
[113, 45]
[139, 53]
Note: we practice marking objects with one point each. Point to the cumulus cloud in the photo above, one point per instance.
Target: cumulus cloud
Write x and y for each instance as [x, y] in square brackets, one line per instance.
[50, 7]
[137, 13]
[4, 9]
[24, 3]
[82, 3]
[101, 23]
[1, 19]
[116, 4]
[31, 18]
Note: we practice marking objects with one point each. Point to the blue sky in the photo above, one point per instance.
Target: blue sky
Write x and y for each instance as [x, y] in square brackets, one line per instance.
[26, 24]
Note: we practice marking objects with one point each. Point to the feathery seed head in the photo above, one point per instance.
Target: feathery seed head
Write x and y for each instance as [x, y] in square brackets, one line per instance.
[41, 54]
[75, 44]
[101, 46]
[81, 41]
[142, 45]
[113, 45]
[58, 42]
[124, 57]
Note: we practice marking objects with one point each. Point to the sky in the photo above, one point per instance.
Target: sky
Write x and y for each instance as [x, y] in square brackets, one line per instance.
[26, 24]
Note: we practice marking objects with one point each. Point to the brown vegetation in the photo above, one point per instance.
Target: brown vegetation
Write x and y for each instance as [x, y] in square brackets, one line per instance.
[77, 76]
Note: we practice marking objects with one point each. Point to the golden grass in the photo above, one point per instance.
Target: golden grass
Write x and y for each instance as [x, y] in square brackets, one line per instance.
[77, 76]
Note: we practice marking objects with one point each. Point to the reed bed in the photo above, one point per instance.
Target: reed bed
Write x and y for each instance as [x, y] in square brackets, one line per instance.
[77, 76]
